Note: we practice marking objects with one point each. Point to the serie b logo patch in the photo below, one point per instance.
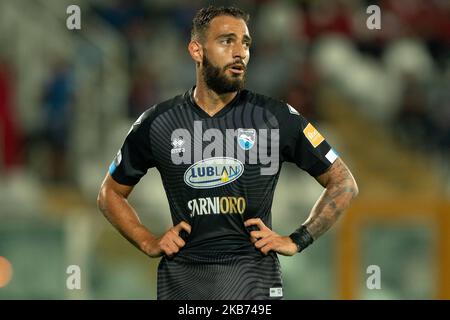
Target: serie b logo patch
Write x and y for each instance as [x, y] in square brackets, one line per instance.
[313, 135]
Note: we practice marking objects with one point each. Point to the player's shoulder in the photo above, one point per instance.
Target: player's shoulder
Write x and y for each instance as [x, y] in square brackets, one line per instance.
[276, 106]
[171, 103]
[160, 108]
[262, 100]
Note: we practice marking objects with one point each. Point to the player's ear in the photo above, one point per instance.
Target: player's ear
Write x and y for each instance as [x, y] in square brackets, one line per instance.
[196, 51]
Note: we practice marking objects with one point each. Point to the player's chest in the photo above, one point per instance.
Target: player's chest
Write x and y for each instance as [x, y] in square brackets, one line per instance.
[208, 155]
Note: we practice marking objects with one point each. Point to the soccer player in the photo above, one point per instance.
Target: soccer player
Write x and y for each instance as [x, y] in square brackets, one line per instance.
[219, 149]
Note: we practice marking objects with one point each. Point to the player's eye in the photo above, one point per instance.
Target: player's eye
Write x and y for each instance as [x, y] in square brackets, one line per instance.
[226, 41]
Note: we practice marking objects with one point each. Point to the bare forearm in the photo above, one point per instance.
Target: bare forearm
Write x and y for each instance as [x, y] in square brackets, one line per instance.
[125, 219]
[341, 188]
[331, 204]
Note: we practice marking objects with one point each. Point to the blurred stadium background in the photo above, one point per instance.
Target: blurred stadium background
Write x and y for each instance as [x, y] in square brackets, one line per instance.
[381, 97]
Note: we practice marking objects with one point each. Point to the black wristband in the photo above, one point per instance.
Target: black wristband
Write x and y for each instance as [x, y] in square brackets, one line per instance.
[302, 238]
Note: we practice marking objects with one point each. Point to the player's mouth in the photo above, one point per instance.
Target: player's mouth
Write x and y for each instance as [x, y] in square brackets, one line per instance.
[237, 68]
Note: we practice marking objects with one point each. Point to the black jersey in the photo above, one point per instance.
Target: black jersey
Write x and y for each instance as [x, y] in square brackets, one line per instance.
[219, 171]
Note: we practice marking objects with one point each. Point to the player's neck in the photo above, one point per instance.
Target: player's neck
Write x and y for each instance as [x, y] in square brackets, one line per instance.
[209, 100]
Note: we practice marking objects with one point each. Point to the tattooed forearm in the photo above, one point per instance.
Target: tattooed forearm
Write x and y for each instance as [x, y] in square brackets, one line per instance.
[341, 188]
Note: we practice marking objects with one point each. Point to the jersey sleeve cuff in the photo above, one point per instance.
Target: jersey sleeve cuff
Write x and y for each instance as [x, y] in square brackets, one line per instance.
[319, 168]
[124, 180]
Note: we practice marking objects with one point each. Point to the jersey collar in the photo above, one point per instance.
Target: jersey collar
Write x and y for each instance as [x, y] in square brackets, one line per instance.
[189, 96]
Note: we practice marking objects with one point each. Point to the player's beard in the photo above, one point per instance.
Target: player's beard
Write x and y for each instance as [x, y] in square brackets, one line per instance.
[216, 79]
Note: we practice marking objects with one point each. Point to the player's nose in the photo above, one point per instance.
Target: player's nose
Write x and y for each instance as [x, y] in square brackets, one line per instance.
[239, 52]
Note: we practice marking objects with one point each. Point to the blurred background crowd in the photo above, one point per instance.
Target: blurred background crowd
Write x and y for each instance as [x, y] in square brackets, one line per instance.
[381, 97]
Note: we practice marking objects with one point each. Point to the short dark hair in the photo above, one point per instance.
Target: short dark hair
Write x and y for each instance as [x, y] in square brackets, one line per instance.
[204, 16]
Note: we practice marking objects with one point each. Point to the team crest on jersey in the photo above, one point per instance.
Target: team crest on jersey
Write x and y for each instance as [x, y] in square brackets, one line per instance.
[246, 138]
[177, 144]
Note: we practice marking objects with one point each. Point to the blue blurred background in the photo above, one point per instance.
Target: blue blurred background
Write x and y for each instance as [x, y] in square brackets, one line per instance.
[380, 97]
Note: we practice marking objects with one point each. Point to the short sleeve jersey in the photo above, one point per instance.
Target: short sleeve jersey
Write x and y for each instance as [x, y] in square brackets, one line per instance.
[221, 170]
